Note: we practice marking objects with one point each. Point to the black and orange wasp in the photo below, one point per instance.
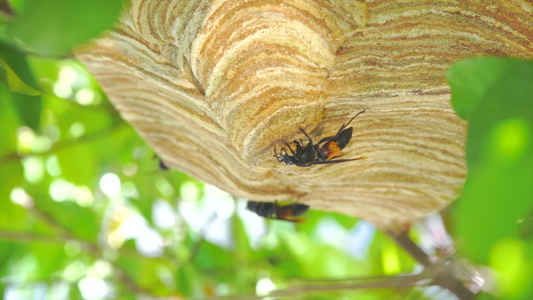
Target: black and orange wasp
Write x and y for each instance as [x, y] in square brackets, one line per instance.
[272, 210]
[319, 153]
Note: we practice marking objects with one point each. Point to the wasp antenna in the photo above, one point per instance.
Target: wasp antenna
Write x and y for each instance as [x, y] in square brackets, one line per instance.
[346, 124]
[302, 130]
[353, 118]
[357, 158]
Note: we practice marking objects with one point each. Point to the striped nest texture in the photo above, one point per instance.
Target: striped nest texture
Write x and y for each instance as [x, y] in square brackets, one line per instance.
[214, 86]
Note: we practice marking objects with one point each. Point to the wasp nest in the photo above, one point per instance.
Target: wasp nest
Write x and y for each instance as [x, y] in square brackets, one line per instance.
[214, 86]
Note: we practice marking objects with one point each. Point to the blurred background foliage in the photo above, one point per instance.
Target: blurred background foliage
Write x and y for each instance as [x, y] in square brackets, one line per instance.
[87, 212]
[493, 220]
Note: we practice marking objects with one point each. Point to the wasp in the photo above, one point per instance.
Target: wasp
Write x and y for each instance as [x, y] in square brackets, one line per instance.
[162, 165]
[272, 210]
[319, 153]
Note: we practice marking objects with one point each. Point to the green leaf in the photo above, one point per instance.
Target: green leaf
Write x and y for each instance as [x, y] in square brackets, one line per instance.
[211, 256]
[499, 190]
[50, 258]
[16, 4]
[13, 217]
[240, 238]
[28, 107]
[10, 252]
[13, 82]
[304, 258]
[8, 130]
[470, 79]
[53, 27]
[511, 97]
[188, 281]
[313, 218]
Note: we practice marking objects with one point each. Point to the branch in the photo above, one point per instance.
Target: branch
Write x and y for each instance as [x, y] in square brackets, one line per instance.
[28, 237]
[444, 275]
[403, 240]
[353, 284]
[306, 286]
[6, 11]
[203, 232]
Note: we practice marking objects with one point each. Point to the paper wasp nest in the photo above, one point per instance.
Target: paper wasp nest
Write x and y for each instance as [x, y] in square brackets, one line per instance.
[214, 86]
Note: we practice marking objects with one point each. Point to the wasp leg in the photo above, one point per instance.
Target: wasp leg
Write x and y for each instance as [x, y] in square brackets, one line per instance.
[310, 140]
[278, 157]
[317, 162]
[302, 130]
[290, 149]
[274, 214]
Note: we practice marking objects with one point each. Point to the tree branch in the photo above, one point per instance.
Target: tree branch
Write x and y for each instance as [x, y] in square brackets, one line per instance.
[6, 11]
[203, 232]
[444, 274]
[28, 237]
[353, 284]
[307, 286]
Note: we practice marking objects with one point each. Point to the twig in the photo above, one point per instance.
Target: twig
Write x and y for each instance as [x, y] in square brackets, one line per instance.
[444, 274]
[6, 11]
[353, 284]
[203, 232]
[306, 286]
[408, 245]
[28, 237]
